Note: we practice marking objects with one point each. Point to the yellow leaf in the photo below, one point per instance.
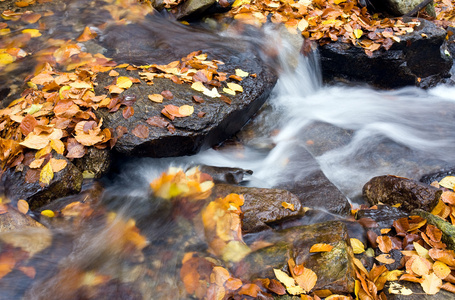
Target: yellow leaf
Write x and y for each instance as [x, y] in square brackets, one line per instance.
[198, 86]
[302, 25]
[357, 246]
[358, 33]
[156, 98]
[235, 87]
[338, 1]
[186, 110]
[235, 251]
[288, 282]
[287, 205]
[22, 206]
[32, 32]
[62, 90]
[321, 248]
[229, 91]
[48, 213]
[46, 174]
[58, 146]
[385, 230]
[447, 182]
[212, 93]
[441, 269]
[6, 58]
[238, 3]
[241, 73]
[431, 284]
[421, 251]
[124, 82]
[393, 275]
[79, 84]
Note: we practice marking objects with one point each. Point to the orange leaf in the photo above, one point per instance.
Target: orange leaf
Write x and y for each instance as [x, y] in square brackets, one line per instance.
[287, 205]
[384, 243]
[411, 278]
[419, 266]
[219, 276]
[156, 98]
[385, 259]
[128, 112]
[86, 35]
[29, 271]
[3, 209]
[307, 280]
[22, 206]
[113, 73]
[7, 263]
[233, 284]
[448, 287]
[250, 289]
[321, 248]
[448, 197]
[58, 146]
[57, 164]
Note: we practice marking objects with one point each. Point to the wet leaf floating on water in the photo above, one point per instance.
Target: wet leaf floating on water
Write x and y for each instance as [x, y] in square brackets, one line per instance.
[22, 206]
[86, 35]
[48, 213]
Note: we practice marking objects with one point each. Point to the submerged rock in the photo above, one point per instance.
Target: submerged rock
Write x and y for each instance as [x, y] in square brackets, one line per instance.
[415, 60]
[262, 206]
[225, 174]
[161, 42]
[392, 190]
[334, 269]
[14, 220]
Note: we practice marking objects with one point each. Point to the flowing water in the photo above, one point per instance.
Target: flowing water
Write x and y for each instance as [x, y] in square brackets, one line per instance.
[407, 132]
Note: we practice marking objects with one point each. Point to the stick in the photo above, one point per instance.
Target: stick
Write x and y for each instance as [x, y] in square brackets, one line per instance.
[416, 9]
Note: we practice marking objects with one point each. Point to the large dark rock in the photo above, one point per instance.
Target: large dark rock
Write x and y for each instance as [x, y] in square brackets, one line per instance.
[399, 8]
[65, 182]
[392, 190]
[304, 178]
[415, 60]
[334, 269]
[262, 206]
[161, 41]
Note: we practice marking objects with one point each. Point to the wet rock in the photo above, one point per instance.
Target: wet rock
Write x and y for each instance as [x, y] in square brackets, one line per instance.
[65, 182]
[398, 8]
[193, 7]
[391, 190]
[448, 230]
[437, 176]
[383, 216]
[262, 206]
[225, 174]
[417, 292]
[31, 240]
[415, 60]
[304, 178]
[162, 41]
[95, 163]
[14, 220]
[321, 137]
[334, 269]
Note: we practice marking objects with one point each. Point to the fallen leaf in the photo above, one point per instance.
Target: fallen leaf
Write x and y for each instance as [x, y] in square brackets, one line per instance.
[385, 259]
[33, 32]
[448, 287]
[448, 182]
[307, 280]
[46, 174]
[86, 35]
[421, 251]
[167, 94]
[198, 86]
[141, 131]
[288, 282]
[441, 269]
[431, 284]
[420, 267]
[48, 213]
[128, 112]
[287, 205]
[58, 146]
[58, 164]
[241, 73]
[156, 98]
[211, 93]
[384, 243]
[357, 246]
[250, 289]
[358, 33]
[22, 206]
[186, 110]
[448, 197]
[36, 163]
[113, 73]
[321, 248]
[398, 289]
[233, 284]
[124, 82]
[198, 99]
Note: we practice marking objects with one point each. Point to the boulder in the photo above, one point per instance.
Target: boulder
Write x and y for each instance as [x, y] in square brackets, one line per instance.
[410, 194]
[437, 176]
[161, 41]
[334, 269]
[192, 7]
[415, 60]
[303, 177]
[399, 8]
[14, 220]
[18, 185]
[262, 206]
[95, 163]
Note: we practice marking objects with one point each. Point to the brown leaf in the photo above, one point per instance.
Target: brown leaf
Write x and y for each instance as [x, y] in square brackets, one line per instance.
[233, 284]
[157, 121]
[411, 278]
[86, 35]
[32, 176]
[401, 226]
[276, 287]
[448, 287]
[141, 131]
[22, 206]
[28, 125]
[201, 114]
[167, 94]
[445, 256]
[448, 197]
[250, 289]
[75, 149]
[128, 112]
[198, 99]
[3, 208]
[225, 99]
[385, 259]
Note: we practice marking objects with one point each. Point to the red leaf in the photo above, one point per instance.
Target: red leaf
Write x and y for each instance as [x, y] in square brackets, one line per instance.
[141, 131]
[128, 112]
[28, 124]
[167, 94]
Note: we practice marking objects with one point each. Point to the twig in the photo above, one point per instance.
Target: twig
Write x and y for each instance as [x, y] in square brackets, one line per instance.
[416, 9]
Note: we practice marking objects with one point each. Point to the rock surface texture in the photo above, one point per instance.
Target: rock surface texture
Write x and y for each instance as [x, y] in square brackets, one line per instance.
[415, 60]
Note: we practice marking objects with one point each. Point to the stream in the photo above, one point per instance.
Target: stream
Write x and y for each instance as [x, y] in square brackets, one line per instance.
[353, 131]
